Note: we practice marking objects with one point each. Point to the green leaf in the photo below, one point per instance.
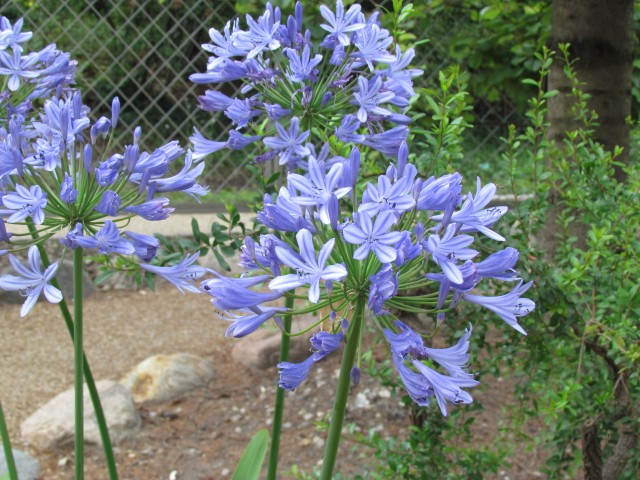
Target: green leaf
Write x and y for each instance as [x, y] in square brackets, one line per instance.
[221, 261]
[252, 459]
[490, 12]
[195, 228]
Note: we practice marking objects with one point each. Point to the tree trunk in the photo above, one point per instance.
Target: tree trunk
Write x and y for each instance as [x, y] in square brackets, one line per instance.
[591, 453]
[602, 39]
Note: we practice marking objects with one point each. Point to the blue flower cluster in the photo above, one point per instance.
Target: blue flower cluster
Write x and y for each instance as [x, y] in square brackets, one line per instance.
[404, 234]
[57, 175]
[26, 77]
[350, 85]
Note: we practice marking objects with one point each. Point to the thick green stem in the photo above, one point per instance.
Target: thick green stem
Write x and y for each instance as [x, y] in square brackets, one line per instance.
[88, 376]
[6, 445]
[78, 357]
[276, 427]
[342, 393]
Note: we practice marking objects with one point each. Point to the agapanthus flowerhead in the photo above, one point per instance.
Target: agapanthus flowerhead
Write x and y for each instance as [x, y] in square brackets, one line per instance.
[31, 280]
[398, 247]
[290, 75]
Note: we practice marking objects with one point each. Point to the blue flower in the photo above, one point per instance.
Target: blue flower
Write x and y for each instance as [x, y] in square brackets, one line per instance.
[68, 194]
[293, 374]
[153, 210]
[369, 97]
[372, 43]
[426, 382]
[28, 202]
[340, 24]
[509, 307]
[225, 70]
[32, 281]
[109, 203]
[384, 285]
[285, 215]
[473, 217]
[448, 250]
[290, 142]
[214, 101]
[445, 388]
[181, 275]
[4, 235]
[245, 324]
[322, 344]
[301, 68]
[11, 35]
[145, 246]
[373, 236]
[18, 67]
[309, 270]
[107, 240]
[499, 265]
[261, 34]
[240, 112]
[317, 187]
[440, 194]
[386, 197]
[389, 141]
[234, 294]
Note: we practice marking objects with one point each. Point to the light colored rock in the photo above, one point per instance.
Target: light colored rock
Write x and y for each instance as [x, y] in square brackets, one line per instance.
[162, 378]
[52, 426]
[28, 467]
[261, 349]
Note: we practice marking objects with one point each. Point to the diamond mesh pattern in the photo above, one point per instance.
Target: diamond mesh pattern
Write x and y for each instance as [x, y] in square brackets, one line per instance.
[144, 50]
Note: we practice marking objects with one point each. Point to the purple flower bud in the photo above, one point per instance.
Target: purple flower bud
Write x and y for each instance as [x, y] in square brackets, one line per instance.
[87, 153]
[355, 375]
[64, 122]
[115, 111]
[77, 104]
[326, 98]
[403, 155]
[100, 127]
[333, 208]
[298, 13]
[338, 56]
[137, 133]
[70, 240]
[131, 156]
[4, 235]
[109, 203]
[213, 101]
[68, 194]
[145, 246]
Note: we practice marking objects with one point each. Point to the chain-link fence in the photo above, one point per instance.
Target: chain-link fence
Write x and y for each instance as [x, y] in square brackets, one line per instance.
[143, 51]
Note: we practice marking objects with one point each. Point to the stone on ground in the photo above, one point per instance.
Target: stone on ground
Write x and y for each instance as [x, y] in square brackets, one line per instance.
[52, 426]
[261, 349]
[28, 467]
[162, 378]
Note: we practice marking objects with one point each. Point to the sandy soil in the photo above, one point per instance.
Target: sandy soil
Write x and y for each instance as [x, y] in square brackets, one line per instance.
[201, 435]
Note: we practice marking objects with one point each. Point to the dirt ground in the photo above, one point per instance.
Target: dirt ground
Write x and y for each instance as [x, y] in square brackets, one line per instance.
[201, 435]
